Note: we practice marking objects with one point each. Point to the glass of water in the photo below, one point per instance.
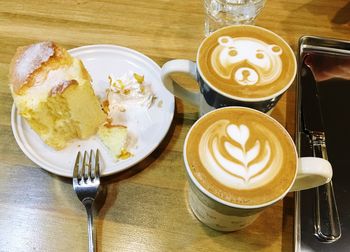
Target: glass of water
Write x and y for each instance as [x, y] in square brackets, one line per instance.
[220, 13]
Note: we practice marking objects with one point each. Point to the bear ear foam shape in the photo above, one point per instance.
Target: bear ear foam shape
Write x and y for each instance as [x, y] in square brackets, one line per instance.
[225, 41]
[275, 49]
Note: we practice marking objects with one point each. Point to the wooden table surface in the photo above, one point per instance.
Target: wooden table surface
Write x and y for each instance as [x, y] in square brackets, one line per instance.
[143, 208]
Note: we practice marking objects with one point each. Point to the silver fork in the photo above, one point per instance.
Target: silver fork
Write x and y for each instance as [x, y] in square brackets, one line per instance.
[86, 182]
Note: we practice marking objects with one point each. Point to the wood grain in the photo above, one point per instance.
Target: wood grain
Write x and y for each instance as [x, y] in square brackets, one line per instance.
[143, 208]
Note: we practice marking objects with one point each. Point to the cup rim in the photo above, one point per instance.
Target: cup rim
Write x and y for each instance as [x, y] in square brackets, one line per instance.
[216, 198]
[281, 91]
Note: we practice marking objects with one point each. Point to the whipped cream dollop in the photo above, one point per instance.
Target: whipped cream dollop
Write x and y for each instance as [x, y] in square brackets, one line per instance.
[128, 92]
[130, 89]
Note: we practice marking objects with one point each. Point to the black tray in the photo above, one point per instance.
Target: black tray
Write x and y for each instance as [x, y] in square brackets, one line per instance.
[334, 95]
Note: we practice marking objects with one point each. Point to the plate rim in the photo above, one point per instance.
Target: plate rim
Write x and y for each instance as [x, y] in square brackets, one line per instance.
[27, 151]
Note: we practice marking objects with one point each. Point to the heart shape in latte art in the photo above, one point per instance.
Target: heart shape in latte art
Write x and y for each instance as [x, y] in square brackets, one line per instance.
[236, 157]
[246, 168]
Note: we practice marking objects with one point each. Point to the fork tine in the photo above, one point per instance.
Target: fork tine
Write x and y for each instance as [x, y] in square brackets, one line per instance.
[97, 164]
[76, 166]
[84, 172]
[90, 163]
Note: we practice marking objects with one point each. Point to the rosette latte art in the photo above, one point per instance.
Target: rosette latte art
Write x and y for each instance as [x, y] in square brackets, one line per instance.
[240, 156]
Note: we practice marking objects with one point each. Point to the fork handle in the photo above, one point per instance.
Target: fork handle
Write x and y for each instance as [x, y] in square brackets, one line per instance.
[91, 234]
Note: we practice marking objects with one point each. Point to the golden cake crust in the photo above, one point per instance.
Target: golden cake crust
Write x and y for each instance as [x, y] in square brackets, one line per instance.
[33, 60]
[61, 87]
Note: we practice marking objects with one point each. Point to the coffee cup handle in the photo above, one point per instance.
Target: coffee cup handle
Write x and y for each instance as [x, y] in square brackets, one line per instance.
[312, 172]
[180, 66]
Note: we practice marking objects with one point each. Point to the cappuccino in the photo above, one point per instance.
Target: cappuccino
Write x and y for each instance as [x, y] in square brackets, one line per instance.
[241, 156]
[246, 62]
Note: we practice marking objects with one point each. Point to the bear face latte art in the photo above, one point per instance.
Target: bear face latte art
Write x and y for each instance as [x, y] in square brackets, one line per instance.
[246, 62]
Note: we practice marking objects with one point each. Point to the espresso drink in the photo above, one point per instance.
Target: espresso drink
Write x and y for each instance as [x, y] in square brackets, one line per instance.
[241, 156]
[246, 62]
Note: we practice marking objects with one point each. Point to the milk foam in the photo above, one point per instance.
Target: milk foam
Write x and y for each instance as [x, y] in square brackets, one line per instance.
[247, 61]
[224, 152]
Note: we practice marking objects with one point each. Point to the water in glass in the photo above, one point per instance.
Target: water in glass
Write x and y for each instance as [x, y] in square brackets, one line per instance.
[220, 13]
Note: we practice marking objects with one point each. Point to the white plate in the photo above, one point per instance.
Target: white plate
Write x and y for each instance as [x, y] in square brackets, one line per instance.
[152, 126]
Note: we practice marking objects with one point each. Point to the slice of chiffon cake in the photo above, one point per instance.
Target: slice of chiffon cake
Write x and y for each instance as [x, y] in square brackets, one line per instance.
[53, 92]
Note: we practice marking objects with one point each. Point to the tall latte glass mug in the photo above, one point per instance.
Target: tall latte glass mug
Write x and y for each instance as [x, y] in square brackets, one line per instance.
[240, 161]
[238, 65]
